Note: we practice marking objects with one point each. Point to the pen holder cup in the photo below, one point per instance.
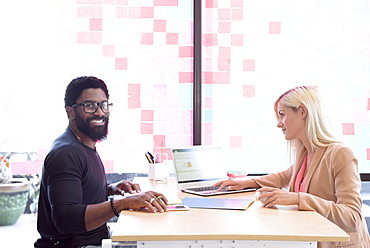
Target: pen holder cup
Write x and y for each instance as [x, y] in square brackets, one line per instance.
[159, 171]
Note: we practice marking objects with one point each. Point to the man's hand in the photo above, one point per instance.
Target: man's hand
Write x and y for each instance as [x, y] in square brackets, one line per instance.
[122, 187]
[154, 201]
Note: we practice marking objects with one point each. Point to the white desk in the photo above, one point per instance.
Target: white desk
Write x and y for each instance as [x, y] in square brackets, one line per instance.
[258, 226]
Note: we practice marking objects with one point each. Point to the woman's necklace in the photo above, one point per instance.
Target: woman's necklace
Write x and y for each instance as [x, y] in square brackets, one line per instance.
[77, 136]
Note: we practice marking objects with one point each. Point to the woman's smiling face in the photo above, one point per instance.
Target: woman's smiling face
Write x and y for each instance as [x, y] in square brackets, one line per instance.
[291, 122]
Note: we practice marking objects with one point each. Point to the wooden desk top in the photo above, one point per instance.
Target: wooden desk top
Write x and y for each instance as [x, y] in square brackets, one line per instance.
[284, 223]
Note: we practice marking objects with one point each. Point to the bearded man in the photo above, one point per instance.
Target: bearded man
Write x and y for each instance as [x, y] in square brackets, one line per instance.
[73, 205]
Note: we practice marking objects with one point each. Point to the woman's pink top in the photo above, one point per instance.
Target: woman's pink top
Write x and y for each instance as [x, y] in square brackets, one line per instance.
[299, 182]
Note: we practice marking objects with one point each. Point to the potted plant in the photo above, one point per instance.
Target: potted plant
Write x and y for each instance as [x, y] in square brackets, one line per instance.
[13, 194]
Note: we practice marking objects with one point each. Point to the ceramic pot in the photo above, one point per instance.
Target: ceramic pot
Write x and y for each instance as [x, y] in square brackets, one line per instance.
[13, 200]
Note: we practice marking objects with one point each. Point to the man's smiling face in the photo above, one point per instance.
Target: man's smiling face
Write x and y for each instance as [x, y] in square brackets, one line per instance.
[94, 125]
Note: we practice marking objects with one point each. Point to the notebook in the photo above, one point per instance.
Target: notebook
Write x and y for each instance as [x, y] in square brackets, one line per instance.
[197, 168]
[217, 203]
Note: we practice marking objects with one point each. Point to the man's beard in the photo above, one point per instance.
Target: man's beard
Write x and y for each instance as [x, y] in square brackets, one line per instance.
[94, 133]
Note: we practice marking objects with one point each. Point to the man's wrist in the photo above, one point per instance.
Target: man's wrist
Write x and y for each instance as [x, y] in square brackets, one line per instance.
[111, 200]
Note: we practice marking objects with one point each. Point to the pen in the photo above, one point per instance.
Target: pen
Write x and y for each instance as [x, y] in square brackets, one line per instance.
[150, 160]
[151, 157]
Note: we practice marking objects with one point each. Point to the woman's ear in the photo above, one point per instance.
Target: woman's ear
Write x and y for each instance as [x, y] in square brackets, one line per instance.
[70, 113]
[303, 111]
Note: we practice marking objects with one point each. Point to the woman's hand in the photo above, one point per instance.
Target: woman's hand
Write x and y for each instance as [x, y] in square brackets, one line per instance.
[236, 184]
[274, 196]
[123, 186]
[154, 201]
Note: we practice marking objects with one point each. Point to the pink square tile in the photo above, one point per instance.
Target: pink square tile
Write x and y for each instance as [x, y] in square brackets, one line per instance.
[134, 12]
[211, 3]
[185, 51]
[236, 3]
[166, 3]
[224, 64]
[248, 65]
[216, 77]
[210, 40]
[121, 63]
[109, 50]
[172, 38]
[348, 129]
[159, 2]
[368, 153]
[83, 37]
[172, 2]
[208, 77]
[186, 77]
[237, 15]
[147, 39]
[235, 141]
[89, 11]
[146, 128]
[224, 53]
[224, 27]
[96, 24]
[224, 14]
[237, 40]
[89, 37]
[208, 102]
[207, 129]
[134, 89]
[134, 102]
[159, 140]
[147, 115]
[223, 77]
[121, 12]
[274, 27]
[249, 91]
[159, 26]
[147, 12]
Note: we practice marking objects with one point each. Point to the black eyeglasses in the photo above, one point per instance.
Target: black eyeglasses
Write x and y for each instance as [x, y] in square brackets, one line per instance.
[91, 106]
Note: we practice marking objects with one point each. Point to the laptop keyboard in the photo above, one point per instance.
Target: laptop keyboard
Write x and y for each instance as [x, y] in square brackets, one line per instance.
[206, 188]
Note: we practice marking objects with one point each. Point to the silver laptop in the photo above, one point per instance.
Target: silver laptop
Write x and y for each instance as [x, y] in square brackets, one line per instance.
[197, 168]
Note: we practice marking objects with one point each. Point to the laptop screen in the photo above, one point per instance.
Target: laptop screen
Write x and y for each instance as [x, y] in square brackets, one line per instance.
[198, 163]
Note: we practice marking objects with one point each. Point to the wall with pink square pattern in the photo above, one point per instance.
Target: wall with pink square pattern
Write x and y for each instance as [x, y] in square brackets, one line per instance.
[252, 52]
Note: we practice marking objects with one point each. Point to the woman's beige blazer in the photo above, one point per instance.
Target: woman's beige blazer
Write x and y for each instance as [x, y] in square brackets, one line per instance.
[332, 188]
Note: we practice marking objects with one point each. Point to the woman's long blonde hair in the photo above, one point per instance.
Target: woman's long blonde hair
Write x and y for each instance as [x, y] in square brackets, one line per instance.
[317, 125]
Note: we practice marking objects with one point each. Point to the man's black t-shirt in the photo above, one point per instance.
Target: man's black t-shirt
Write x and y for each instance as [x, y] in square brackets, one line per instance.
[73, 177]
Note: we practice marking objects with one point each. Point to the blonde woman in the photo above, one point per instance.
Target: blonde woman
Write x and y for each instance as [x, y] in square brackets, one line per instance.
[324, 177]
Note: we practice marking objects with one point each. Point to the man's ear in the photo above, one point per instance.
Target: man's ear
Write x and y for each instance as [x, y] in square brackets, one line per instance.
[303, 111]
[70, 113]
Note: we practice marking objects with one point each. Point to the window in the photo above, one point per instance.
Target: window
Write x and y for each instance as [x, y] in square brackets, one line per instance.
[252, 51]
